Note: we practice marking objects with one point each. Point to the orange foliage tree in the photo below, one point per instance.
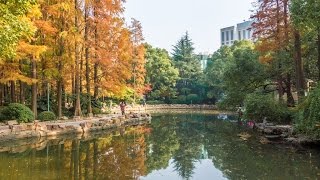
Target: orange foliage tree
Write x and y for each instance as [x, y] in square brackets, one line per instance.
[273, 31]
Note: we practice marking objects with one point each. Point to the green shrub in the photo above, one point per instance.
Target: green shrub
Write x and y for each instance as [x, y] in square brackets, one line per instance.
[1, 115]
[96, 110]
[260, 106]
[193, 99]
[19, 112]
[307, 118]
[155, 102]
[182, 99]
[47, 116]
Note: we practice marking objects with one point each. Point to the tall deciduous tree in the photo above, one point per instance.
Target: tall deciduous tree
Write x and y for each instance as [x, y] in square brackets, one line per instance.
[138, 62]
[273, 31]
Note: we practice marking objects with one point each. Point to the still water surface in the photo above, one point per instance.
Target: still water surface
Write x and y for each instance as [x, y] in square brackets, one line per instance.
[174, 146]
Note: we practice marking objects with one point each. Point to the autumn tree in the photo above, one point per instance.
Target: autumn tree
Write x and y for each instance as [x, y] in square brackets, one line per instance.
[273, 32]
[138, 62]
[68, 46]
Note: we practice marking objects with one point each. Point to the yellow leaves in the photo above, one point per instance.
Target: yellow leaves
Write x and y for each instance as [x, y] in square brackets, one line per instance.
[59, 9]
[63, 34]
[11, 72]
[30, 28]
[34, 12]
[25, 49]
[64, 7]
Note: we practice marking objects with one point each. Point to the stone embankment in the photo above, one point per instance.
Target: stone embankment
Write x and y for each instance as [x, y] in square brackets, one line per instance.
[13, 131]
[284, 134]
[150, 108]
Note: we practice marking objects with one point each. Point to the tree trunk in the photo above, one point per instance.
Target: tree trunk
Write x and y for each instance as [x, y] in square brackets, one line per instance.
[60, 68]
[86, 34]
[95, 81]
[22, 94]
[318, 44]
[59, 97]
[5, 93]
[13, 92]
[81, 70]
[290, 99]
[34, 88]
[77, 111]
[280, 88]
[96, 63]
[280, 78]
[300, 81]
[1, 94]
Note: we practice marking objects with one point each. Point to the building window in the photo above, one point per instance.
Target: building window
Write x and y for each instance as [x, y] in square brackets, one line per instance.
[249, 34]
[227, 43]
[244, 34]
[222, 36]
[227, 35]
[231, 34]
[222, 44]
[239, 35]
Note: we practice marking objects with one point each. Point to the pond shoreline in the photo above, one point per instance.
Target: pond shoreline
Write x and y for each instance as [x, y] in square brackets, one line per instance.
[14, 131]
[148, 107]
[283, 134]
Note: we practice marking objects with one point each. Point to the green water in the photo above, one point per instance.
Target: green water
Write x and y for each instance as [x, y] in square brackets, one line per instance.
[174, 146]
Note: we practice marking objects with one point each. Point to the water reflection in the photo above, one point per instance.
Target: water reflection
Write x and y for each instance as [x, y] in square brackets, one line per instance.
[109, 157]
[186, 140]
[174, 146]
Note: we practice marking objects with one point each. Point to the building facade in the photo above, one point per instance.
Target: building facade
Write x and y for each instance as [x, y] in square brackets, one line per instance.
[242, 31]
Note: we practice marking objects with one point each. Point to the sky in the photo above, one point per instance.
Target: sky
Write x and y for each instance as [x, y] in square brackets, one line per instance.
[165, 21]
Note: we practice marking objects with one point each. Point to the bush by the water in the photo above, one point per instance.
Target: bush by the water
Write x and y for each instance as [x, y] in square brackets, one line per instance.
[155, 102]
[193, 99]
[96, 110]
[260, 106]
[19, 112]
[307, 120]
[47, 116]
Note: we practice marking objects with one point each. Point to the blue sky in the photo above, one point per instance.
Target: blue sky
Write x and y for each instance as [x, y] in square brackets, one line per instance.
[165, 21]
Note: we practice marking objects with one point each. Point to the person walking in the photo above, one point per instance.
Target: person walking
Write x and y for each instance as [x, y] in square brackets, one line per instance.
[123, 107]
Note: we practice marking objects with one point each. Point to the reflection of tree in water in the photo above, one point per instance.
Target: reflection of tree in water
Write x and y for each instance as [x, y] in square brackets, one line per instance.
[162, 143]
[178, 137]
[235, 158]
[108, 157]
[239, 159]
[190, 146]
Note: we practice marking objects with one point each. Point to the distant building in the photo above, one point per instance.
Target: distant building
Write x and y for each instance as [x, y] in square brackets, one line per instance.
[243, 31]
[227, 36]
[203, 58]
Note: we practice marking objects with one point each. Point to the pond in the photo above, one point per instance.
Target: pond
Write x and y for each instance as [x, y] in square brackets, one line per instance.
[173, 146]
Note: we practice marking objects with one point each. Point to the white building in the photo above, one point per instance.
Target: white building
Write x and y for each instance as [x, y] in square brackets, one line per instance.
[243, 31]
